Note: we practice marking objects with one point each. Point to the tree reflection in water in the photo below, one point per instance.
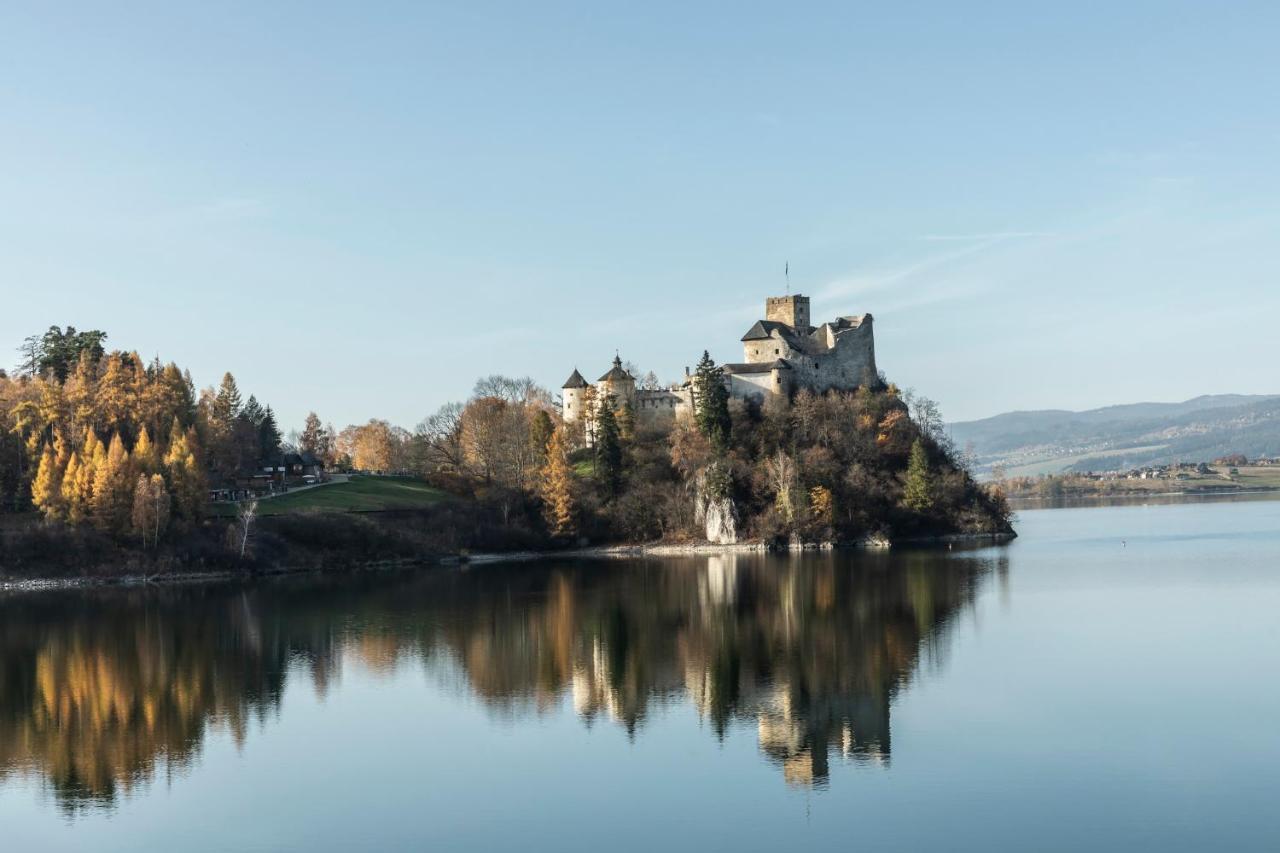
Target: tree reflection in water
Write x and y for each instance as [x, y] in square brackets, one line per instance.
[102, 690]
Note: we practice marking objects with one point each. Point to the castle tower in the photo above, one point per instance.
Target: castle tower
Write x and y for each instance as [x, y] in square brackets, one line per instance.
[618, 382]
[792, 310]
[573, 399]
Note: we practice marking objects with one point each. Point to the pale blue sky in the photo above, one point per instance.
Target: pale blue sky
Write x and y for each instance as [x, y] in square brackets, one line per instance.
[360, 208]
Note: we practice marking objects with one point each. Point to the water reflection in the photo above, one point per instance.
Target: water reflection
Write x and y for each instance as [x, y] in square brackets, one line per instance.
[101, 691]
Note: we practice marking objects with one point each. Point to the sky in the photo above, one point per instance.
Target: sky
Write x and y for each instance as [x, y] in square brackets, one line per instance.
[360, 208]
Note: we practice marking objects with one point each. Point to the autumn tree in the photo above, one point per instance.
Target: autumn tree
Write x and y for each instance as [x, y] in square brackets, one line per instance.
[627, 421]
[316, 439]
[559, 504]
[146, 456]
[116, 400]
[373, 446]
[151, 503]
[441, 436]
[495, 442]
[185, 476]
[73, 504]
[784, 481]
[821, 506]
[46, 489]
[112, 489]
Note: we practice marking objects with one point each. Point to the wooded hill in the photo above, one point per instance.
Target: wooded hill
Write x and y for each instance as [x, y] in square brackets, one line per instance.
[1123, 437]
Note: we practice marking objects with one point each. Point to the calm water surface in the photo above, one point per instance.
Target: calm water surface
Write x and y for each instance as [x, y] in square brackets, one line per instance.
[1108, 681]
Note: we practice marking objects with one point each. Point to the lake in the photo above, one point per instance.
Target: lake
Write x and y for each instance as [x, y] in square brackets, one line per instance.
[1107, 681]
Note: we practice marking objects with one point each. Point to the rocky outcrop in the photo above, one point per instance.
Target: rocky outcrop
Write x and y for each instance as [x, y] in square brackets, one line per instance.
[721, 521]
[716, 513]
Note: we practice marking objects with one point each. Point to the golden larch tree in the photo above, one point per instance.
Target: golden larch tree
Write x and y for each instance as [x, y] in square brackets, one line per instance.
[185, 476]
[146, 456]
[72, 503]
[46, 489]
[560, 507]
[113, 489]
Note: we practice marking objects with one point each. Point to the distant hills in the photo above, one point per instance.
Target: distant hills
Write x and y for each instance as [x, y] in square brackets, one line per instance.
[1122, 437]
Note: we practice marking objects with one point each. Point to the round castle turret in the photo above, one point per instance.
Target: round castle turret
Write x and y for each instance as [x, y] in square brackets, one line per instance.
[573, 397]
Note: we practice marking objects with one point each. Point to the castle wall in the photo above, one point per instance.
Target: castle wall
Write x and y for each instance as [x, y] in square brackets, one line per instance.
[850, 363]
[747, 386]
[662, 406]
[755, 352]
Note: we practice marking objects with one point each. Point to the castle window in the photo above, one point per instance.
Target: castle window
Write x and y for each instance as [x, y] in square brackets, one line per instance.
[775, 352]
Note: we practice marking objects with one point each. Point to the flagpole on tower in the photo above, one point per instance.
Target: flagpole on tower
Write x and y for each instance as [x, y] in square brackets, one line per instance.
[786, 272]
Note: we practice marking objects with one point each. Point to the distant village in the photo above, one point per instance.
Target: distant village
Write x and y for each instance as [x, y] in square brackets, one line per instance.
[1230, 473]
[1187, 470]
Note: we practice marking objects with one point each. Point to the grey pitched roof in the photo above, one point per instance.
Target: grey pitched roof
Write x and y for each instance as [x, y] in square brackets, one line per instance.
[575, 380]
[757, 367]
[763, 330]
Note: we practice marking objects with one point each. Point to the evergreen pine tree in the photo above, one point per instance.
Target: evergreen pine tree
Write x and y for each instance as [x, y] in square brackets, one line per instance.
[559, 506]
[253, 411]
[917, 491]
[541, 429]
[608, 446]
[268, 435]
[711, 403]
[226, 403]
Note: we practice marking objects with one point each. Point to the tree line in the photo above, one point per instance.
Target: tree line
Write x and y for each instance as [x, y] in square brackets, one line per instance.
[102, 438]
[91, 437]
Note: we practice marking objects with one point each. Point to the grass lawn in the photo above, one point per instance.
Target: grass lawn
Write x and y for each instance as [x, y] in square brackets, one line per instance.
[359, 494]
[1256, 476]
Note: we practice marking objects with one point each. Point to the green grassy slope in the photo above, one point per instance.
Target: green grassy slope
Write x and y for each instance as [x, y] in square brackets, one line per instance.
[359, 494]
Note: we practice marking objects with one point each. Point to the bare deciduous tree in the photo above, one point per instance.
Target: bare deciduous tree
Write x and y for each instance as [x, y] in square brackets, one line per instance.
[245, 518]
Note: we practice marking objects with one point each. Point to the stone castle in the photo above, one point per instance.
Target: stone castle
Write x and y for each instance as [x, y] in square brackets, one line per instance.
[782, 354]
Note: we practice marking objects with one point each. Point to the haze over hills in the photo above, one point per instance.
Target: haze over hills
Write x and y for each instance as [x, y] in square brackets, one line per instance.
[1122, 437]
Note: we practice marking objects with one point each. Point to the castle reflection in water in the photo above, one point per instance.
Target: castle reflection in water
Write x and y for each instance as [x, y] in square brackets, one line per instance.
[102, 690]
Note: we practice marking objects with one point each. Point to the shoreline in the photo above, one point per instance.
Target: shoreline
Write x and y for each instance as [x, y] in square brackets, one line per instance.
[619, 552]
[1202, 493]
